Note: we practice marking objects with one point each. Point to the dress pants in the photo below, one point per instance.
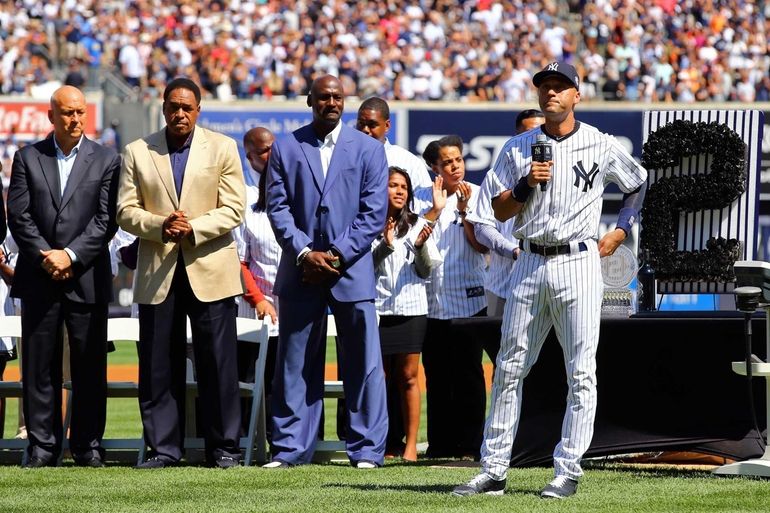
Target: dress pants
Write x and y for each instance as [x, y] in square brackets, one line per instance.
[299, 378]
[455, 390]
[162, 366]
[42, 324]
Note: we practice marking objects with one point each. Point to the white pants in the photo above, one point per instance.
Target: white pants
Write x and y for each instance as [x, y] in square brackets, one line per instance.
[563, 291]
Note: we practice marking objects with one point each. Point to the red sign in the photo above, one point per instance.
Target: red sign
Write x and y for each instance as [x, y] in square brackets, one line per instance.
[29, 119]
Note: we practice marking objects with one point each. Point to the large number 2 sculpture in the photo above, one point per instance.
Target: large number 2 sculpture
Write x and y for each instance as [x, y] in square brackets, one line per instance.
[668, 196]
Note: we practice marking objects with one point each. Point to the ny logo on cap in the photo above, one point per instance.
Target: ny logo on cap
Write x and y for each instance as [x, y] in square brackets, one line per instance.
[554, 66]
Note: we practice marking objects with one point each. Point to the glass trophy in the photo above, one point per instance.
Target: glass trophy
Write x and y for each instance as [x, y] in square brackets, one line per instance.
[618, 271]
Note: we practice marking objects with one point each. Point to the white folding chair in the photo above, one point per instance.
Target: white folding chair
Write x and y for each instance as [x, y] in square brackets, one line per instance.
[331, 450]
[10, 326]
[257, 332]
[118, 329]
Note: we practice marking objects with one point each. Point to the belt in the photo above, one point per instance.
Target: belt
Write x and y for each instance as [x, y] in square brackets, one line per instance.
[564, 249]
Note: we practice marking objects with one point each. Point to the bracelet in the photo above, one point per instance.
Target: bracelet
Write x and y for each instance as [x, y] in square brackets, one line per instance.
[522, 190]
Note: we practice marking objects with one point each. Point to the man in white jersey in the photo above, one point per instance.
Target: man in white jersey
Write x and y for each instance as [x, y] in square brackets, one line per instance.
[496, 235]
[374, 120]
[557, 278]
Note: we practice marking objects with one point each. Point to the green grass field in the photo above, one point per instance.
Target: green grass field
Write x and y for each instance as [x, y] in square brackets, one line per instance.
[396, 487]
[422, 487]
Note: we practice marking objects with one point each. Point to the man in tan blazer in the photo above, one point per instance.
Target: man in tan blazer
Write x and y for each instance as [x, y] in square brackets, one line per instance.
[182, 192]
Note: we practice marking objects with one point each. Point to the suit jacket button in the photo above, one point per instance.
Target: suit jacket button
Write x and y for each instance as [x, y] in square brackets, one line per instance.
[324, 210]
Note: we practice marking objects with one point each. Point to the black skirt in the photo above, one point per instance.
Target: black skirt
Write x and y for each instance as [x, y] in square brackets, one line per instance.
[402, 334]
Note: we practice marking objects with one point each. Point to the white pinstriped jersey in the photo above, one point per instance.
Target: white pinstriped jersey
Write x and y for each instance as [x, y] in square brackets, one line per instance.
[456, 287]
[413, 165]
[584, 163]
[497, 278]
[257, 246]
[400, 291]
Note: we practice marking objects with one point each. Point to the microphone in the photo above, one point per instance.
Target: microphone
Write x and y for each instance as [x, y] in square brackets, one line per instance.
[542, 152]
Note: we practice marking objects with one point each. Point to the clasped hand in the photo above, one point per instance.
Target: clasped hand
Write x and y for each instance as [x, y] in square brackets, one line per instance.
[57, 263]
[317, 267]
[176, 227]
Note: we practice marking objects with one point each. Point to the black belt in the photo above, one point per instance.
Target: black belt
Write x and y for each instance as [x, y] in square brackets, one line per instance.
[564, 249]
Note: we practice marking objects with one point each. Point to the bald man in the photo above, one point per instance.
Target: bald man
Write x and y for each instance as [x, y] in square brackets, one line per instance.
[327, 201]
[61, 213]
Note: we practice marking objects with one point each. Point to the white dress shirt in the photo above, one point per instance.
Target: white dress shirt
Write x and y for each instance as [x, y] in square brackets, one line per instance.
[65, 163]
[327, 147]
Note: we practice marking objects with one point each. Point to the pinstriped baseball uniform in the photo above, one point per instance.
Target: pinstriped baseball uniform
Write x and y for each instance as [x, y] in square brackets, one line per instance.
[563, 291]
[497, 278]
[456, 287]
[257, 247]
[455, 390]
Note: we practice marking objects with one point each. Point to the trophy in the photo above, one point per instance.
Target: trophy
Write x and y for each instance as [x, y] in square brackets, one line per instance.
[618, 271]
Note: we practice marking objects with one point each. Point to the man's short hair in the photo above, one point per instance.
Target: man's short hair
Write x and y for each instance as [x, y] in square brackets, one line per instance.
[378, 105]
[182, 83]
[527, 114]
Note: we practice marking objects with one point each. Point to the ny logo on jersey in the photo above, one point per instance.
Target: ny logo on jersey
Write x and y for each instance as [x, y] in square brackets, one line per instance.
[580, 172]
[554, 66]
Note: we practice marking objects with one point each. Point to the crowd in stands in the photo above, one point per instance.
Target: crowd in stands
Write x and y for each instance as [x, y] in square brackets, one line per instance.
[472, 50]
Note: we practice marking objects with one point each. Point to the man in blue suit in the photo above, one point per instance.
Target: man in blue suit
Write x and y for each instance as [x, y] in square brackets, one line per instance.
[327, 201]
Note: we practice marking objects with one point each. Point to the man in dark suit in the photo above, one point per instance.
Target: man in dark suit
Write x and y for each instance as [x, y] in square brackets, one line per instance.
[182, 193]
[327, 201]
[61, 212]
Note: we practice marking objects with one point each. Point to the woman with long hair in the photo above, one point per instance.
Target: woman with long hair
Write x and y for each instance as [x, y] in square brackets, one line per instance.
[402, 259]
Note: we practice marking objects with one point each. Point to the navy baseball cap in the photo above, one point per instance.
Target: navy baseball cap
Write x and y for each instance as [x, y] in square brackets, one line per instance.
[558, 68]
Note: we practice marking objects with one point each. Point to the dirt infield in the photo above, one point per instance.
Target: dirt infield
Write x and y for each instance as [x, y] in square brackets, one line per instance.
[131, 373]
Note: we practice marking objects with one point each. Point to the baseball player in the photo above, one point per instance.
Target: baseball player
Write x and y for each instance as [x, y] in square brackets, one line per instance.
[557, 278]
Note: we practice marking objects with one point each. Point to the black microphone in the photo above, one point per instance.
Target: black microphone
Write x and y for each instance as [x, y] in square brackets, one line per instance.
[542, 152]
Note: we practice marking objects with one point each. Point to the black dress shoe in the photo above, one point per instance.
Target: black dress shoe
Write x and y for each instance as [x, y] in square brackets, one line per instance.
[36, 462]
[154, 462]
[225, 462]
[93, 462]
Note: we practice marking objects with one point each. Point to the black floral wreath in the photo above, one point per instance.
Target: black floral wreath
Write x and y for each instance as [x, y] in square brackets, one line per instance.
[668, 196]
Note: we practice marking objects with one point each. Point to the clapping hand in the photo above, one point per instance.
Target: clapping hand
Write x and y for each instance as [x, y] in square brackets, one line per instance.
[423, 235]
[439, 195]
[389, 233]
[464, 192]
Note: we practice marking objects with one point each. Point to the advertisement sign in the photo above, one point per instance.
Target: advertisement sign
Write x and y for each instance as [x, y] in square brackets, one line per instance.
[28, 120]
[485, 132]
[236, 122]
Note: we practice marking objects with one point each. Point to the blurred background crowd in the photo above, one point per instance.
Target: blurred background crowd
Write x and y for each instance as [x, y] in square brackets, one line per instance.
[441, 50]
[472, 50]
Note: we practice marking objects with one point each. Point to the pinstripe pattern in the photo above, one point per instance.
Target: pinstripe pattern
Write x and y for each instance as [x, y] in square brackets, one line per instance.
[497, 277]
[413, 165]
[462, 268]
[565, 212]
[735, 221]
[257, 246]
[399, 290]
[562, 291]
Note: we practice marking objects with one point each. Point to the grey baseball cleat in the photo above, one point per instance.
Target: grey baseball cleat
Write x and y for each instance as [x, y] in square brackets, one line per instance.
[560, 488]
[482, 483]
